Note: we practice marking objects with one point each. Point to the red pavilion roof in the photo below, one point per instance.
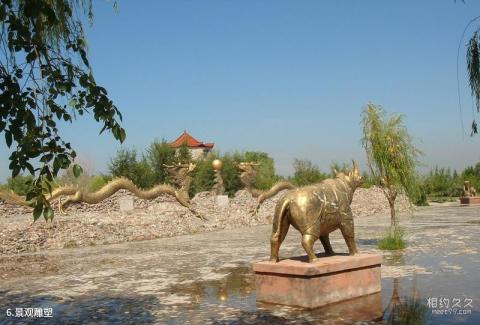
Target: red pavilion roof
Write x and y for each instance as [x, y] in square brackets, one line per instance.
[190, 141]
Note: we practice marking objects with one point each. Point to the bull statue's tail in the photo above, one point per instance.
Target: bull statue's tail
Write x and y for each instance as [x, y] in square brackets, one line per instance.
[278, 231]
[280, 186]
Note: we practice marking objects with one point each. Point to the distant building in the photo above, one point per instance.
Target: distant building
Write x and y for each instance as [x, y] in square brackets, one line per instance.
[198, 150]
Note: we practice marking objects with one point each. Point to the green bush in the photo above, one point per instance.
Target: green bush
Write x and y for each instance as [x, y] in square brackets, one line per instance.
[19, 184]
[203, 175]
[421, 197]
[125, 164]
[392, 241]
[183, 154]
[266, 176]
[96, 182]
[306, 173]
[442, 182]
[158, 154]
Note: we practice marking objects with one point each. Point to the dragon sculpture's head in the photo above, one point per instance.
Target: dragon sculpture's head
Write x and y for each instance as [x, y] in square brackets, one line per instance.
[351, 177]
[247, 166]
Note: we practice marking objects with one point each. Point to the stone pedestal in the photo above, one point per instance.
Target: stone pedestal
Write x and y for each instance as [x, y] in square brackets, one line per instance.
[222, 201]
[126, 204]
[295, 282]
[470, 200]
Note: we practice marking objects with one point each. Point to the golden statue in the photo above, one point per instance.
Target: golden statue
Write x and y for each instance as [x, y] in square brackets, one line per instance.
[179, 175]
[247, 178]
[316, 211]
[74, 194]
[468, 190]
[218, 187]
[248, 174]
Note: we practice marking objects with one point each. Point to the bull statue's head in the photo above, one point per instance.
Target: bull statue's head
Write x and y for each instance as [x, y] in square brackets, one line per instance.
[353, 177]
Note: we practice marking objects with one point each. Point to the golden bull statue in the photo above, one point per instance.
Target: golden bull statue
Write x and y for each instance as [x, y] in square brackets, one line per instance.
[316, 211]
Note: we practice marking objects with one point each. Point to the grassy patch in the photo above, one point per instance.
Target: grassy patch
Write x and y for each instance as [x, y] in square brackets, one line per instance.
[392, 241]
[442, 199]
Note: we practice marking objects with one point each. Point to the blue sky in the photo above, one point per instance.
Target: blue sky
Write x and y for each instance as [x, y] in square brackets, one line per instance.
[286, 77]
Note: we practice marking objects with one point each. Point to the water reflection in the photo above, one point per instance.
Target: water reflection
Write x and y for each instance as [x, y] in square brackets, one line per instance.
[410, 310]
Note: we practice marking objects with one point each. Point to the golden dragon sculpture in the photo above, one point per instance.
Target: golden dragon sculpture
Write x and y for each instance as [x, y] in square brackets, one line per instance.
[75, 194]
[247, 178]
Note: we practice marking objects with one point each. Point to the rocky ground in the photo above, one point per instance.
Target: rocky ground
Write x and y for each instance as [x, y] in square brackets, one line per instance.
[207, 278]
[104, 223]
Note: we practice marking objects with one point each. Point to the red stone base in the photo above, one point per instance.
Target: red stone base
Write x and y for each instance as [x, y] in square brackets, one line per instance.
[470, 200]
[295, 282]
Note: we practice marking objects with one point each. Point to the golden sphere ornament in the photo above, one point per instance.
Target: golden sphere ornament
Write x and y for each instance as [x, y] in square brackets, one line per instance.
[217, 164]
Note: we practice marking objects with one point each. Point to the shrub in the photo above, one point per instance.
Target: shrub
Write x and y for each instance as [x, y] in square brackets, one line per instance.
[306, 173]
[392, 241]
[183, 154]
[19, 184]
[96, 182]
[421, 197]
[158, 154]
[203, 175]
[125, 164]
[265, 172]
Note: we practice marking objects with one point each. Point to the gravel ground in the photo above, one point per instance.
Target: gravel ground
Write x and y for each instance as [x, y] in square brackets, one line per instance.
[103, 223]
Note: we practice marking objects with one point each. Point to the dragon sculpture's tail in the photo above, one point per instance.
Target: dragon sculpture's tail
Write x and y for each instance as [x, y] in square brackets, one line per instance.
[13, 198]
[277, 187]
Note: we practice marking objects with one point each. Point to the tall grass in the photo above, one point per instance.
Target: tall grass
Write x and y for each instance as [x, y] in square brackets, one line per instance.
[393, 240]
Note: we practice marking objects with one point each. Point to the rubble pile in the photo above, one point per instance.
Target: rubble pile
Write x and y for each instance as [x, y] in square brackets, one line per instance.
[104, 223]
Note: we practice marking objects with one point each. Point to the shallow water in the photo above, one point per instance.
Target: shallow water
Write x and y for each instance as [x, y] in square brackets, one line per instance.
[207, 278]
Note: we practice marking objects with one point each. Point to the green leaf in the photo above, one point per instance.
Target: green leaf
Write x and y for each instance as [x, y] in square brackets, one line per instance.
[77, 170]
[8, 138]
[37, 211]
[48, 213]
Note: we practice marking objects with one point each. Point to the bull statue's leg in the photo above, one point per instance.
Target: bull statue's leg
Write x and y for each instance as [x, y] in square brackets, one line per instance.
[307, 243]
[326, 245]
[346, 227]
[277, 239]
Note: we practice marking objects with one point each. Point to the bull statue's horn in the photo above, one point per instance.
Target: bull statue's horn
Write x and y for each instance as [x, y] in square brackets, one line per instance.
[355, 167]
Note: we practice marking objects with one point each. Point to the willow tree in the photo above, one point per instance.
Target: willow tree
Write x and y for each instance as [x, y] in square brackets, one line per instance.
[391, 155]
[46, 81]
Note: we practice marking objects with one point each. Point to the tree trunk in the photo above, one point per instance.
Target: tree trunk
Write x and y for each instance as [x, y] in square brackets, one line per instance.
[393, 218]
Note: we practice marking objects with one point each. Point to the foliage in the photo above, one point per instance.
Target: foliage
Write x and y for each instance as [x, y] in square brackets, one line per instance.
[368, 180]
[160, 154]
[336, 166]
[203, 175]
[144, 175]
[183, 155]
[96, 182]
[392, 241]
[266, 176]
[391, 154]
[305, 173]
[421, 198]
[19, 184]
[231, 180]
[471, 174]
[125, 164]
[46, 80]
[473, 70]
[441, 182]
